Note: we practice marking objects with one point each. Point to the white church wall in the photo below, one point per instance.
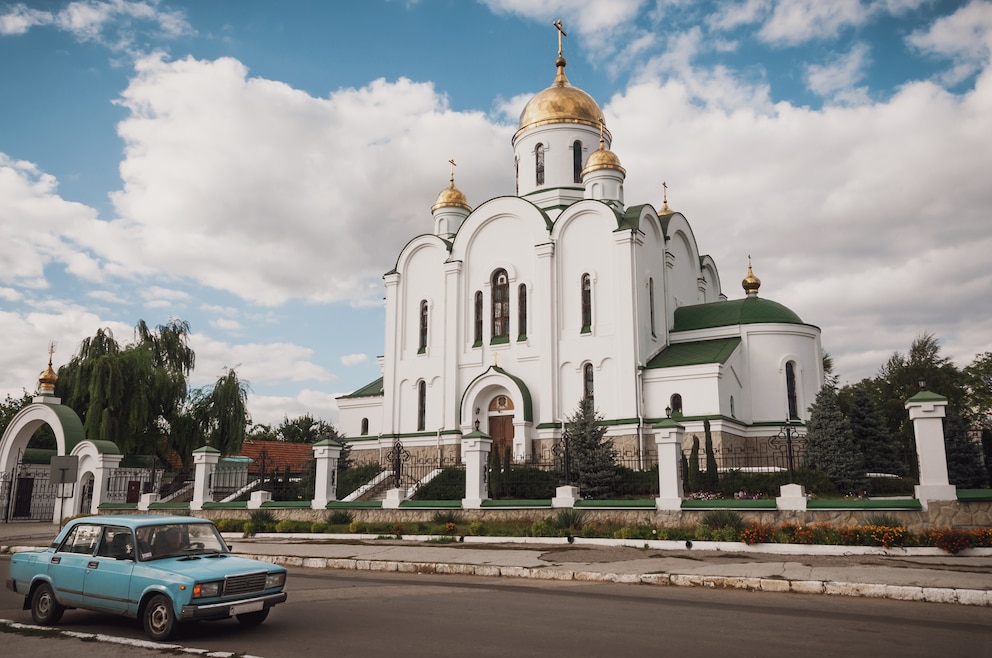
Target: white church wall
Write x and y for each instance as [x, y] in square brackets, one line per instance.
[698, 385]
[769, 347]
[558, 166]
[650, 265]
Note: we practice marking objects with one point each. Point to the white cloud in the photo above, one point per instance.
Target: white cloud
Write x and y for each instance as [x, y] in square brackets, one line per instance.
[270, 410]
[337, 181]
[837, 80]
[256, 363]
[731, 15]
[353, 359]
[226, 325]
[20, 18]
[965, 36]
[796, 21]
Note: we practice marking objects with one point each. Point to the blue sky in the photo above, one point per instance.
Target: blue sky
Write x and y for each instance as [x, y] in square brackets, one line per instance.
[254, 167]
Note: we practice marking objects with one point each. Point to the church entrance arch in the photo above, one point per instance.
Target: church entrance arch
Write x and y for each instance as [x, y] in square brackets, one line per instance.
[501, 424]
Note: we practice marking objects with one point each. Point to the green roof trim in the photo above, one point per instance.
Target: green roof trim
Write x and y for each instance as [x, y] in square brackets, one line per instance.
[546, 502]
[431, 504]
[106, 447]
[728, 504]
[857, 503]
[631, 218]
[974, 494]
[927, 396]
[644, 503]
[695, 353]
[750, 310]
[371, 389]
[528, 409]
[72, 426]
[356, 504]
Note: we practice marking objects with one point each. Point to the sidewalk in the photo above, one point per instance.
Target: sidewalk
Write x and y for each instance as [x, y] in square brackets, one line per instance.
[903, 574]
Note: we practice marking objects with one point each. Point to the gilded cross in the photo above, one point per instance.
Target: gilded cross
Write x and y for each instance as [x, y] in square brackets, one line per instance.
[664, 185]
[561, 33]
[453, 165]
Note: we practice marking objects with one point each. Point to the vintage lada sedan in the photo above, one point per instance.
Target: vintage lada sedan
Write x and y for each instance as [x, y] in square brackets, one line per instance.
[159, 569]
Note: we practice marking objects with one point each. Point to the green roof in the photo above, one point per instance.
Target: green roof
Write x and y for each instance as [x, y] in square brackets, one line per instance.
[695, 353]
[750, 310]
[367, 391]
[927, 396]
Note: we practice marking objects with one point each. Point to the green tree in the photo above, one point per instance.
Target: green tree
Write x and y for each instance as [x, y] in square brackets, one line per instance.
[978, 385]
[881, 453]
[222, 412]
[593, 463]
[712, 475]
[964, 460]
[830, 445]
[305, 429]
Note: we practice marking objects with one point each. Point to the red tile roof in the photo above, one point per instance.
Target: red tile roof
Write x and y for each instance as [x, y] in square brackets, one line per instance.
[277, 456]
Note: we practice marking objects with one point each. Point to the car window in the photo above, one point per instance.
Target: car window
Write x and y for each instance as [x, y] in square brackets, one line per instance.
[178, 539]
[116, 543]
[81, 539]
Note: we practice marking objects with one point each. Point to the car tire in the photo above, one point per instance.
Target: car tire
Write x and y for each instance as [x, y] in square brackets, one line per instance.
[159, 618]
[45, 609]
[249, 619]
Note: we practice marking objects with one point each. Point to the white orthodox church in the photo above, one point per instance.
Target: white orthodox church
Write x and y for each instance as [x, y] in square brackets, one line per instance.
[505, 316]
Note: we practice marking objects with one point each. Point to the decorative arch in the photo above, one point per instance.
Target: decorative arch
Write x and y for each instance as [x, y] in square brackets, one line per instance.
[65, 424]
[492, 379]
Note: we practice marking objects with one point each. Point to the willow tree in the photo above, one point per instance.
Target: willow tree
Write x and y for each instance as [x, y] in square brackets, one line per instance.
[221, 411]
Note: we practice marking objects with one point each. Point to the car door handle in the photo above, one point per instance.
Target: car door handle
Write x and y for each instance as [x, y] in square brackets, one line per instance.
[56, 560]
[93, 565]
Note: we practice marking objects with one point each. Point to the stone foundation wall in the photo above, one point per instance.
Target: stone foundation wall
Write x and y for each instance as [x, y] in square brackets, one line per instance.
[970, 514]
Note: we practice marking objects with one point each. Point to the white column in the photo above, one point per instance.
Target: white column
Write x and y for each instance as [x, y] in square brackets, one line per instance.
[926, 410]
[475, 451]
[668, 437]
[452, 336]
[326, 453]
[204, 464]
[101, 472]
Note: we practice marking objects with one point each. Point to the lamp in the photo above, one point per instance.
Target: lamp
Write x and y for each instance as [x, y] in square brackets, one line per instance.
[923, 383]
[668, 411]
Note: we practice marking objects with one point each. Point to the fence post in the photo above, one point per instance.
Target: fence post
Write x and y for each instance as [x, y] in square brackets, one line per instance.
[326, 453]
[668, 438]
[475, 449]
[204, 464]
[105, 465]
[926, 410]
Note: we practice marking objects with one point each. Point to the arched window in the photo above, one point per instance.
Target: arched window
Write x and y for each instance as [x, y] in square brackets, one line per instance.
[365, 426]
[675, 404]
[586, 303]
[501, 306]
[521, 312]
[478, 318]
[423, 327]
[539, 167]
[790, 390]
[421, 406]
[587, 382]
[577, 161]
[733, 414]
[516, 176]
[651, 304]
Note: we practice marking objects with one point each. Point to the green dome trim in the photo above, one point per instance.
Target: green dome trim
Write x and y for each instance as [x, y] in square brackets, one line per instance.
[751, 310]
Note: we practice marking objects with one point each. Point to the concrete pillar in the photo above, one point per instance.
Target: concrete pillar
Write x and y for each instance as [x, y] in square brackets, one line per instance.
[475, 450]
[204, 464]
[926, 410]
[565, 497]
[668, 437]
[326, 453]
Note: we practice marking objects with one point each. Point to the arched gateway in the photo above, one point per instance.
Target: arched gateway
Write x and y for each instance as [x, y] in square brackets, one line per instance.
[27, 490]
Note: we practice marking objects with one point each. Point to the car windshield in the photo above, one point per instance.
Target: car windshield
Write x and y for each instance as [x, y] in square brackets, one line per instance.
[178, 540]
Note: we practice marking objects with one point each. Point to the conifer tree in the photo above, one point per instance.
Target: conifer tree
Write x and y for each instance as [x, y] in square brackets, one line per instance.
[830, 445]
[593, 463]
[880, 450]
[964, 460]
[712, 474]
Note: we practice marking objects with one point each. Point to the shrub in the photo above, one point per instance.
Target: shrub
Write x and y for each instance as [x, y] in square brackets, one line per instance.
[884, 521]
[949, 539]
[568, 519]
[259, 521]
[449, 484]
[443, 517]
[350, 479]
[541, 528]
[757, 533]
[477, 528]
[722, 518]
[291, 526]
[231, 525]
[340, 517]
[357, 527]
[319, 527]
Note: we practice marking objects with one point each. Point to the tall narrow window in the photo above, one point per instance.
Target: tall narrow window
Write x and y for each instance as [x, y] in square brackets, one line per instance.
[521, 312]
[586, 303]
[651, 304]
[790, 389]
[675, 404]
[365, 426]
[421, 406]
[422, 347]
[516, 176]
[539, 165]
[587, 382]
[501, 306]
[577, 161]
[478, 318]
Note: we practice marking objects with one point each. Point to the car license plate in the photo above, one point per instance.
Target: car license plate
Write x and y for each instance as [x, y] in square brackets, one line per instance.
[247, 607]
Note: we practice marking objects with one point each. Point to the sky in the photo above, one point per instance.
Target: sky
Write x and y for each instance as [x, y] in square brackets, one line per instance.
[254, 167]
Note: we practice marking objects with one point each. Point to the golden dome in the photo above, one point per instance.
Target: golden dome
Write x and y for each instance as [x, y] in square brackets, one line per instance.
[47, 379]
[560, 103]
[603, 158]
[751, 283]
[451, 197]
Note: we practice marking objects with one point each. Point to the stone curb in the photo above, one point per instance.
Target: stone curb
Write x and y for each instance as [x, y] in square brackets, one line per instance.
[835, 588]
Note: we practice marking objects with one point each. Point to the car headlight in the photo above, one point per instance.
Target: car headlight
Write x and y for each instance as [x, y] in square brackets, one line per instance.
[206, 590]
[275, 580]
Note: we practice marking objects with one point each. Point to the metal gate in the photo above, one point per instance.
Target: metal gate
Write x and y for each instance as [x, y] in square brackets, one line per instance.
[26, 493]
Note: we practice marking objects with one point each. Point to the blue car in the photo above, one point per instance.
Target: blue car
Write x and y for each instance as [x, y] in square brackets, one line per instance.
[160, 569]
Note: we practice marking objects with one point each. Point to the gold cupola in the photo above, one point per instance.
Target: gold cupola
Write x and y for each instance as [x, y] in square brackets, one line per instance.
[451, 197]
[665, 210]
[47, 379]
[602, 158]
[450, 209]
[751, 283]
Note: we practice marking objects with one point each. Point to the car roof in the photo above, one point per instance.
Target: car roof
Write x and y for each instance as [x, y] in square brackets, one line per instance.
[137, 520]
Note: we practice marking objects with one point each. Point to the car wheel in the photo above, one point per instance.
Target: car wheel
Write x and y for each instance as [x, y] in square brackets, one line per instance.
[159, 618]
[250, 619]
[45, 610]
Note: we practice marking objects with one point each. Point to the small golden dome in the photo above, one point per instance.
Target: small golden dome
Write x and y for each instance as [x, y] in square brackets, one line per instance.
[451, 197]
[603, 158]
[47, 379]
[665, 210]
[560, 103]
[751, 283]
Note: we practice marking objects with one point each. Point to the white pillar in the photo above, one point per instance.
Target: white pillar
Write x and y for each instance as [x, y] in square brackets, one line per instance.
[326, 453]
[926, 410]
[475, 451]
[204, 464]
[668, 438]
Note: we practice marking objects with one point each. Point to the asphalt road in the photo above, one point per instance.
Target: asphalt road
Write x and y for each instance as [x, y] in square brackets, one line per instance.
[346, 613]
